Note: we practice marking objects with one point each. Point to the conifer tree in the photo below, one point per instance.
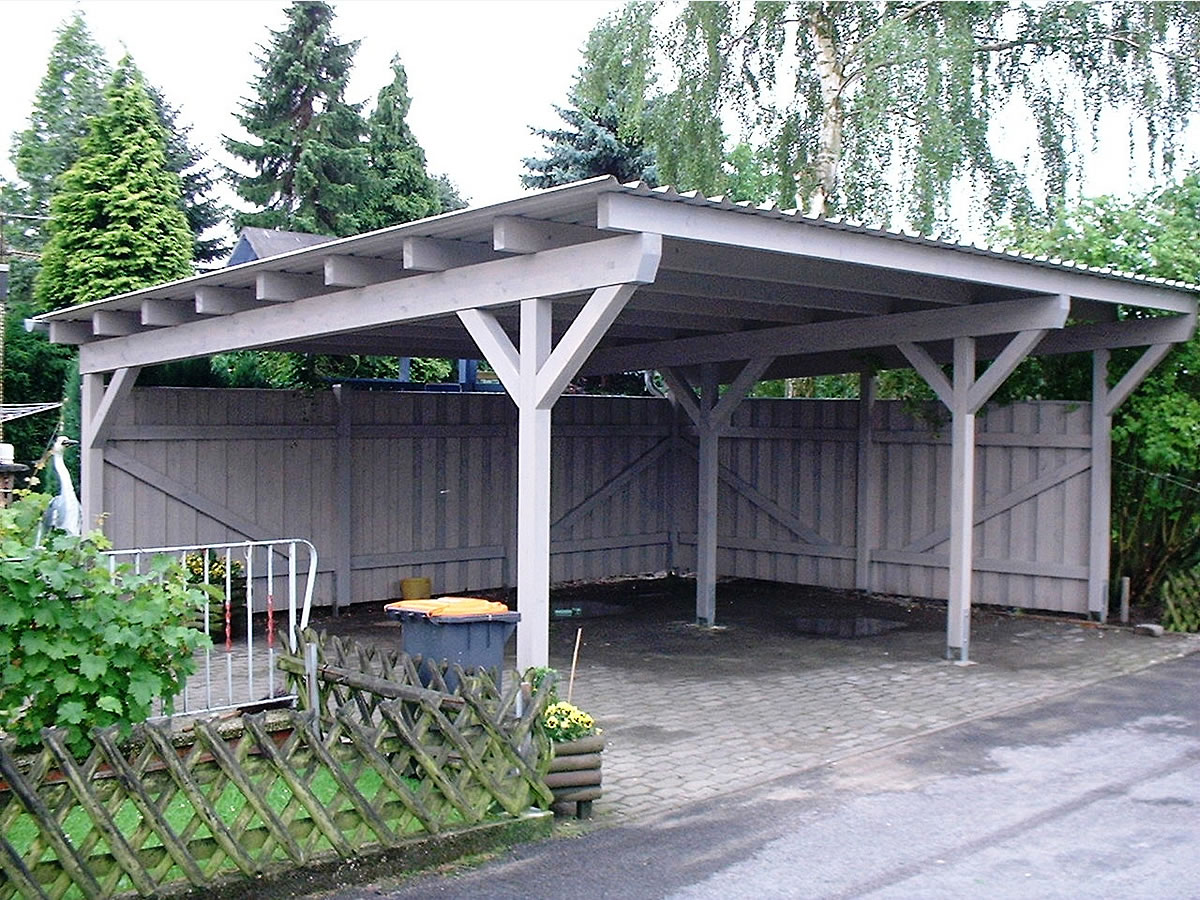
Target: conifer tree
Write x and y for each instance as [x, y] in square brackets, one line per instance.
[400, 189]
[197, 180]
[305, 147]
[606, 121]
[117, 224]
[590, 145]
[70, 93]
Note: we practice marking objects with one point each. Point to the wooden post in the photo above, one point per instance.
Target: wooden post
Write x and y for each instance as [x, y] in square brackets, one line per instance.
[533, 491]
[534, 378]
[962, 501]
[1100, 506]
[711, 412]
[864, 484]
[343, 483]
[964, 397]
[1105, 402]
[91, 451]
[708, 470]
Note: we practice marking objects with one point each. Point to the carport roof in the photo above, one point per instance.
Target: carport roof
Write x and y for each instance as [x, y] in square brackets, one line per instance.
[728, 282]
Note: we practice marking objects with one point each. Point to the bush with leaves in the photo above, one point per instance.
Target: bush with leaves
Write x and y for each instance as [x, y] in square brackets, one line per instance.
[85, 646]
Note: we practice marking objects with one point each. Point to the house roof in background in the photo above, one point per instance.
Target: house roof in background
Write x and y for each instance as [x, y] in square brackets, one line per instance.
[260, 243]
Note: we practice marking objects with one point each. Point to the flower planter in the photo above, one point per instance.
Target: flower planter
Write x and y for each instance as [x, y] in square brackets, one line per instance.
[574, 775]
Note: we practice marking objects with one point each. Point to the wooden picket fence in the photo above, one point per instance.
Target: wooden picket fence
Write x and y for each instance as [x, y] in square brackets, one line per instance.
[381, 762]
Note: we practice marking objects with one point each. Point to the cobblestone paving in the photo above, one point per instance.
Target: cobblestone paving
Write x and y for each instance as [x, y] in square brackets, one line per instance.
[691, 713]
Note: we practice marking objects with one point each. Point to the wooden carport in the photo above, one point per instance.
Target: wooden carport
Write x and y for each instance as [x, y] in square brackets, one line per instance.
[599, 277]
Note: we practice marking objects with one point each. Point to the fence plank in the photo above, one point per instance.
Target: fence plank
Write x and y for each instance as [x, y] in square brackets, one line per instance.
[117, 845]
[47, 824]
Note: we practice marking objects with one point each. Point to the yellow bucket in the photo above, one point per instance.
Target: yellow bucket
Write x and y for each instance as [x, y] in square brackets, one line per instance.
[415, 588]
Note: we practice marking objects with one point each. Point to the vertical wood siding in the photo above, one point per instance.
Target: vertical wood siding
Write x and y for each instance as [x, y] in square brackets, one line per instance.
[433, 489]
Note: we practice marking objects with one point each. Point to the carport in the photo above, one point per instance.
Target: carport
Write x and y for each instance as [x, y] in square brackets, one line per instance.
[599, 277]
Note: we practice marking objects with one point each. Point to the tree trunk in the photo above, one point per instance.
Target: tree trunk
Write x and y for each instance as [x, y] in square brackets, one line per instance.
[831, 70]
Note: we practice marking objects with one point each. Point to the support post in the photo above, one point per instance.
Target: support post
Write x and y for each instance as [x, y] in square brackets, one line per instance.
[864, 530]
[91, 452]
[534, 378]
[1100, 499]
[708, 473]
[97, 412]
[711, 413]
[965, 395]
[1105, 402]
[962, 502]
[533, 491]
[343, 479]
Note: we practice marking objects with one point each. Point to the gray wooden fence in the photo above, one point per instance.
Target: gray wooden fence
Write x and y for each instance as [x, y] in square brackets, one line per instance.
[389, 485]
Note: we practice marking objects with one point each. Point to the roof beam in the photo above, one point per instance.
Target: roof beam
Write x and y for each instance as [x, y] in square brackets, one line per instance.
[219, 301]
[750, 291]
[286, 287]
[1126, 333]
[1073, 339]
[72, 331]
[423, 254]
[629, 259]
[165, 313]
[115, 323]
[730, 310]
[623, 212]
[875, 331]
[516, 234]
[844, 281]
[354, 271]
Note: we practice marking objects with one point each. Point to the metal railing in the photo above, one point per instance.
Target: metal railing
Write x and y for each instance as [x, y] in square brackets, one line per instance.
[238, 670]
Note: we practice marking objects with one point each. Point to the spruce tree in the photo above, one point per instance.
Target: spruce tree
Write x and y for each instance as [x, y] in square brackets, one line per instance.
[590, 145]
[606, 121]
[400, 187]
[197, 180]
[117, 224]
[306, 150]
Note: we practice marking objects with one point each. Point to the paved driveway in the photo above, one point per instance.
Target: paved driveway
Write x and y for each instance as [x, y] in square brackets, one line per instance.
[1091, 794]
[692, 714]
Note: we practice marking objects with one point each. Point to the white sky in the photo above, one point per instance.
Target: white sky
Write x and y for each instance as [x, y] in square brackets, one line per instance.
[479, 73]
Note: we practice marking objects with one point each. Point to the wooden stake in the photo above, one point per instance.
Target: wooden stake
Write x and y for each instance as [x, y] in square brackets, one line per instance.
[574, 662]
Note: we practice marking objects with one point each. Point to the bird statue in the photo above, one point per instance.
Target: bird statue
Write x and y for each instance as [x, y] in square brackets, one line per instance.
[64, 512]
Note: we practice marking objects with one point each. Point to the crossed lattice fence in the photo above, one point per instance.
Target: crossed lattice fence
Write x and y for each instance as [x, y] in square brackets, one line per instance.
[382, 760]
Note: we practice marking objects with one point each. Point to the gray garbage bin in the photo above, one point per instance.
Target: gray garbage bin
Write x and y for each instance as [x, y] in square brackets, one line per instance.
[469, 631]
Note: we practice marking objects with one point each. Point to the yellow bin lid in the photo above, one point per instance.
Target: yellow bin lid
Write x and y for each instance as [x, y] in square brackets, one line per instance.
[451, 606]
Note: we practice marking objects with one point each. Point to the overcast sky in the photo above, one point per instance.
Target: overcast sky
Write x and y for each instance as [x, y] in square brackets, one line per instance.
[479, 73]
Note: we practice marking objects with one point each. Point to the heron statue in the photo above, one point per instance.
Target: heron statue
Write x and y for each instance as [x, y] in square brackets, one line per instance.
[64, 512]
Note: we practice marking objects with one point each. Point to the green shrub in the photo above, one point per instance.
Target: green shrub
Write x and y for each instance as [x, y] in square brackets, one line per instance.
[1180, 593]
[85, 647]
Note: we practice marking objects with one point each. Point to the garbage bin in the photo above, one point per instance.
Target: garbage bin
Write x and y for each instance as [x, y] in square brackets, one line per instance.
[469, 631]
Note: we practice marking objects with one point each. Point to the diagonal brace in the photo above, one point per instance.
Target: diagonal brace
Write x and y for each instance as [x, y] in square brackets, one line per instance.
[114, 394]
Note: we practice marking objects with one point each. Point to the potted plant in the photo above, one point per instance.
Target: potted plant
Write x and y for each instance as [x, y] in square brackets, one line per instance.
[577, 743]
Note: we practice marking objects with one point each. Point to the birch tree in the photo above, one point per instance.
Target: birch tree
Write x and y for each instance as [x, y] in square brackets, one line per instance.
[876, 109]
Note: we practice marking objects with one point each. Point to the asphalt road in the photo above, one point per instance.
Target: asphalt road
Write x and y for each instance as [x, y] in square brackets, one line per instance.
[1092, 795]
